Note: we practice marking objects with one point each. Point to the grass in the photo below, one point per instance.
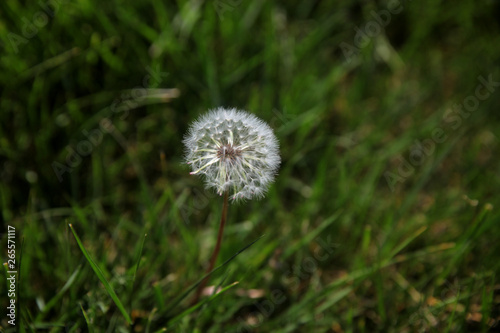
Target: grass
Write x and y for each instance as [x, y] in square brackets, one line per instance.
[361, 232]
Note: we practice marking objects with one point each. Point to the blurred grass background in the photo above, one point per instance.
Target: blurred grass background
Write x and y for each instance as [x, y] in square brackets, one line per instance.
[96, 98]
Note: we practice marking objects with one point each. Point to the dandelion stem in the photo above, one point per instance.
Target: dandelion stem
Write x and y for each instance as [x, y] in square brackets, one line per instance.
[216, 250]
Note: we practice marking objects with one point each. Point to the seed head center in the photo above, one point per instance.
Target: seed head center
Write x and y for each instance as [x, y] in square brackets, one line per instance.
[228, 152]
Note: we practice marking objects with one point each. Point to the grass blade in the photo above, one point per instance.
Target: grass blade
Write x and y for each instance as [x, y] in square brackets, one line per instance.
[89, 326]
[311, 235]
[101, 277]
[190, 289]
[407, 241]
[57, 297]
[136, 268]
[197, 305]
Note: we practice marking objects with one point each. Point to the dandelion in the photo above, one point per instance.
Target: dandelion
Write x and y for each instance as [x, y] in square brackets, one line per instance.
[236, 153]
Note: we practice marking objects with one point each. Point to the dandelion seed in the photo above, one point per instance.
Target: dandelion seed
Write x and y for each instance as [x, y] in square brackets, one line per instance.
[240, 153]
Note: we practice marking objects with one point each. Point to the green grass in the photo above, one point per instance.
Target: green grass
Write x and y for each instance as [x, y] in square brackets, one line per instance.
[344, 249]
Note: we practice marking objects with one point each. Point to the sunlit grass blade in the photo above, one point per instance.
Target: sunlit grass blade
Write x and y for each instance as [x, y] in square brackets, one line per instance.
[101, 277]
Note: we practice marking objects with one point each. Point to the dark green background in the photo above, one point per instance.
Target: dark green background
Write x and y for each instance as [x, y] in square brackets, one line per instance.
[412, 231]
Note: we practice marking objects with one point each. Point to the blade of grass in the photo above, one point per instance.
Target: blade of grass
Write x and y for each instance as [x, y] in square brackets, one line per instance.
[464, 244]
[132, 283]
[214, 292]
[362, 273]
[89, 326]
[150, 320]
[160, 300]
[80, 214]
[333, 299]
[61, 292]
[101, 277]
[139, 257]
[407, 241]
[196, 306]
[26, 320]
[450, 320]
[311, 235]
[190, 289]
[219, 285]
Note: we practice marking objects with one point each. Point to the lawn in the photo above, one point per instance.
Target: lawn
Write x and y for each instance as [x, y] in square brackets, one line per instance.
[383, 217]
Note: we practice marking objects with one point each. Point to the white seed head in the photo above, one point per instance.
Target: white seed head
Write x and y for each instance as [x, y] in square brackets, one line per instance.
[235, 151]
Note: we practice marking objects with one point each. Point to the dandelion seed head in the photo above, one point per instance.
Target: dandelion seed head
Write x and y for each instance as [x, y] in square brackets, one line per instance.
[234, 151]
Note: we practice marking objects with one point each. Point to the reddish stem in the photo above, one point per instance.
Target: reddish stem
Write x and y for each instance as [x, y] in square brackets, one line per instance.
[216, 250]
